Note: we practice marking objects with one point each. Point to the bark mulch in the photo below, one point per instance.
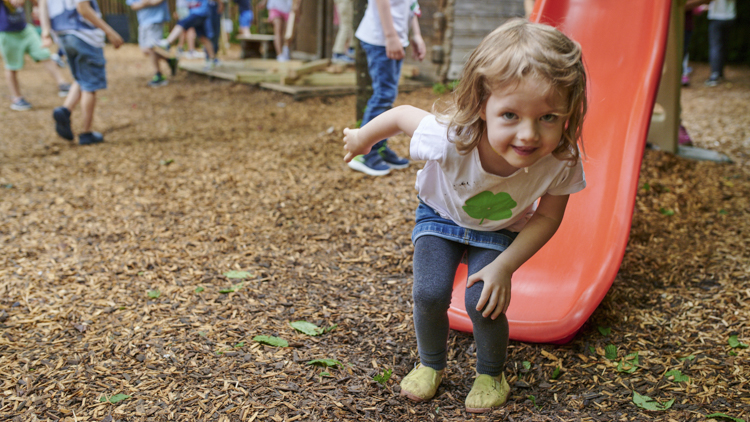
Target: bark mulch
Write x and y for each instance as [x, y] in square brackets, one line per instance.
[113, 260]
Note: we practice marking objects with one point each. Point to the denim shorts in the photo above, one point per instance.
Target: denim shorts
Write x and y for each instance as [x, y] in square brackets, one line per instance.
[86, 63]
[429, 222]
[202, 25]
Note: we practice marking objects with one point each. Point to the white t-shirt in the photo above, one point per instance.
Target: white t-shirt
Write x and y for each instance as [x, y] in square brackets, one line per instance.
[371, 31]
[722, 10]
[280, 5]
[64, 19]
[459, 189]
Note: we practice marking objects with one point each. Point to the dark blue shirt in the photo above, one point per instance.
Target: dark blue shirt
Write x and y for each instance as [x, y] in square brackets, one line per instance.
[11, 21]
[243, 4]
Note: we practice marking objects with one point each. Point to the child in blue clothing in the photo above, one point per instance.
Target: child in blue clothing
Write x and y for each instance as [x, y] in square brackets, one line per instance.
[152, 15]
[199, 19]
[79, 30]
[16, 40]
[246, 16]
[508, 140]
[383, 34]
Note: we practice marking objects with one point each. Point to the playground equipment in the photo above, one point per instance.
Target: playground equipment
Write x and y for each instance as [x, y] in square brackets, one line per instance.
[624, 45]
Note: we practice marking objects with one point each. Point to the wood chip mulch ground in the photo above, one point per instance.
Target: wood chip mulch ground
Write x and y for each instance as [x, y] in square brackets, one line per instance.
[113, 258]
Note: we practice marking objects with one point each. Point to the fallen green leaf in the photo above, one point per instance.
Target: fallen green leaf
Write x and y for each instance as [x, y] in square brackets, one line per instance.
[665, 211]
[628, 364]
[646, 402]
[684, 358]
[526, 365]
[306, 327]
[240, 344]
[533, 401]
[646, 187]
[166, 162]
[556, 373]
[237, 274]
[592, 350]
[324, 362]
[604, 331]
[199, 289]
[114, 399]
[271, 341]
[232, 289]
[723, 416]
[610, 352]
[383, 378]
[735, 343]
[723, 212]
[677, 376]
[325, 374]
[154, 294]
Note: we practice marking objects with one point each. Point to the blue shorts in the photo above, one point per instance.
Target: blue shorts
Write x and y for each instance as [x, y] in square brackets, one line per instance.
[431, 223]
[86, 63]
[202, 25]
[246, 17]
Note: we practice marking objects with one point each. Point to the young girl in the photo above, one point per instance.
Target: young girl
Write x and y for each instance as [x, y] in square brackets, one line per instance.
[508, 139]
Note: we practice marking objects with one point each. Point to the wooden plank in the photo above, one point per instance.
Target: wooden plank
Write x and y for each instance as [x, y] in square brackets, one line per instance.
[256, 37]
[295, 73]
[257, 77]
[219, 72]
[163, 53]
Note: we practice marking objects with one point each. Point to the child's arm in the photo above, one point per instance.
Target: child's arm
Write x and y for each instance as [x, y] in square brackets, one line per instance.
[418, 46]
[45, 24]
[393, 48]
[87, 12]
[394, 121]
[496, 276]
[144, 3]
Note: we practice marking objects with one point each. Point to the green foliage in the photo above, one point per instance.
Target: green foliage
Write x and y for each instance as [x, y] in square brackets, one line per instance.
[166, 162]
[646, 187]
[309, 328]
[533, 401]
[691, 357]
[526, 365]
[324, 362]
[114, 399]
[384, 377]
[271, 341]
[735, 343]
[237, 274]
[489, 206]
[647, 403]
[610, 352]
[154, 294]
[666, 212]
[628, 364]
[676, 375]
[556, 373]
[439, 89]
[199, 289]
[723, 416]
[232, 289]
[604, 331]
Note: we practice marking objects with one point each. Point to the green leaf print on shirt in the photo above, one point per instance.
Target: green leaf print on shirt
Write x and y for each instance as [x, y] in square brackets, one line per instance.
[488, 206]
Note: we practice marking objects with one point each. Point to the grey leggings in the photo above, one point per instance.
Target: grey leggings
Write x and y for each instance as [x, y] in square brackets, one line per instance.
[435, 263]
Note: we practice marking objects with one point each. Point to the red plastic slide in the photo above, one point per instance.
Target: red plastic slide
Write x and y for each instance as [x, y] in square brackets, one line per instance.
[555, 292]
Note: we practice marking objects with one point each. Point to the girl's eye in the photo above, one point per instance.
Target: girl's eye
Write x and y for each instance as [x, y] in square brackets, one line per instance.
[509, 116]
[549, 118]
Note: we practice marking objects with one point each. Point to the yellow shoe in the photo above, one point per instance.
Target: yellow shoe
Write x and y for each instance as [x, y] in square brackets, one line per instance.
[487, 393]
[421, 383]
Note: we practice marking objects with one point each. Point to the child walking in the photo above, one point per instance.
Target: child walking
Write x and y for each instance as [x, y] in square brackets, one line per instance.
[278, 14]
[80, 31]
[199, 19]
[16, 40]
[152, 15]
[507, 140]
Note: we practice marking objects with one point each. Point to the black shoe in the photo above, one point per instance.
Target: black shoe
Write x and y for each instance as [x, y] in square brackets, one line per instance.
[90, 138]
[62, 123]
[172, 65]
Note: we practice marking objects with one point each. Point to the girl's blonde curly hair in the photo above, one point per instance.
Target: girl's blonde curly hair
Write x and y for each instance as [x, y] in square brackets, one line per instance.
[516, 50]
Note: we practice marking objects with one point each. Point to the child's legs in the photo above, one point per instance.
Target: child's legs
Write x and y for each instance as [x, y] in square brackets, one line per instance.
[33, 46]
[175, 33]
[491, 336]
[385, 74]
[12, 78]
[245, 19]
[435, 263]
[345, 31]
[148, 36]
[209, 47]
[190, 36]
[278, 34]
[74, 96]
[54, 71]
[88, 104]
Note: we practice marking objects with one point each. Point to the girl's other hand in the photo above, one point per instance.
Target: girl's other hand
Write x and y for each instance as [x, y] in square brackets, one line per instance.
[495, 296]
[352, 144]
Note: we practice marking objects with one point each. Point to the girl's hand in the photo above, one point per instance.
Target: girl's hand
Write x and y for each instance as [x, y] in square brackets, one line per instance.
[495, 296]
[352, 144]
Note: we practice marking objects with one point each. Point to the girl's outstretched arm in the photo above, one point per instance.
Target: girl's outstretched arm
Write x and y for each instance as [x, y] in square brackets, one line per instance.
[394, 121]
[536, 233]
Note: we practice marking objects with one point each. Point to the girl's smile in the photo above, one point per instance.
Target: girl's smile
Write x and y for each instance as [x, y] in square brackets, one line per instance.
[525, 122]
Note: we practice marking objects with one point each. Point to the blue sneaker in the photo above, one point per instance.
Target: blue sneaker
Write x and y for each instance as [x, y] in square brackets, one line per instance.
[392, 159]
[62, 123]
[370, 164]
[20, 105]
[89, 138]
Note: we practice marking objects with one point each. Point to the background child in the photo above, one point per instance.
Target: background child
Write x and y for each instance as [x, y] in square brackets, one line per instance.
[16, 40]
[199, 18]
[383, 34]
[80, 32]
[345, 33]
[152, 15]
[519, 105]
[187, 37]
[245, 18]
[278, 15]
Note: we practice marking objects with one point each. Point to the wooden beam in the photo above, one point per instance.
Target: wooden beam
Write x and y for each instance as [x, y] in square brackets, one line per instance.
[295, 73]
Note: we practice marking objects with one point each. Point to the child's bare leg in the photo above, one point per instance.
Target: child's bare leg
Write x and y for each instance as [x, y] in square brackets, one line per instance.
[209, 47]
[12, 78]
[153, 58]
[278, 35]
[74, 96]
[191, 39]
[88, 103]
[176, 31]
[54, 71]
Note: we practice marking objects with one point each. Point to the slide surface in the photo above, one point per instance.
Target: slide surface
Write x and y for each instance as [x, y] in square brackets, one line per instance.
[555, 292]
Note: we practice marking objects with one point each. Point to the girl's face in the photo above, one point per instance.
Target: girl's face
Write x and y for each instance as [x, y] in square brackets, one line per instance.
[524, 123]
